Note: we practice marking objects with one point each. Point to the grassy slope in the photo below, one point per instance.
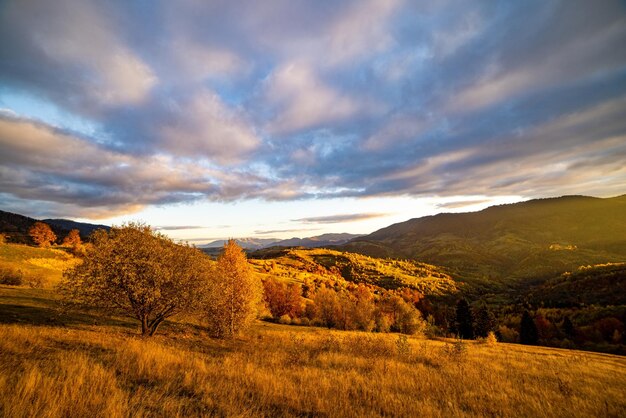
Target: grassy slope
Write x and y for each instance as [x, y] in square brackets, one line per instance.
[506, 245]
[82, 369]
[298, 265]
[32, 261]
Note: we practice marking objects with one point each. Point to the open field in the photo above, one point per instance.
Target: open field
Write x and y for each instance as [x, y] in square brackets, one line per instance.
[68, 366]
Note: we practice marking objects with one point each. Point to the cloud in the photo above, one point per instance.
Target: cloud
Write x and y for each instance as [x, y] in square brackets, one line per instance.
[334, 219]
[286, 100]
[74, 174]
[300, 100]
[283, 231]
[462, 203]
[583, 54]
[204, 126]
[72, 52]
[177, 227]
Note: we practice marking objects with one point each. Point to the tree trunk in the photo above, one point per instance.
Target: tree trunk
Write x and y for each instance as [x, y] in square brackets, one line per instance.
[144, 325]
[154, 326]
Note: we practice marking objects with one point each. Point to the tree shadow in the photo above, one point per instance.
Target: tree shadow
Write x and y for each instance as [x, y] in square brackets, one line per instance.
[54, 316]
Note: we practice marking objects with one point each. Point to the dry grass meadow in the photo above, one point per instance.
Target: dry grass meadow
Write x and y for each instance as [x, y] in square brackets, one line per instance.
[80, 366]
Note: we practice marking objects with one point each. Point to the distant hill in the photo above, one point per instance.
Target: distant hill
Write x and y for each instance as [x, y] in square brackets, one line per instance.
[323, 240]
[509, 245]
[85, 229]
[16, 227]
[245, 243]
[601, 285]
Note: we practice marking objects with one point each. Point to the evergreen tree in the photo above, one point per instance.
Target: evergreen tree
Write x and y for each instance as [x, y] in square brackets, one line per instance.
[568, 327]
[464, 320]
[528, 330]
[484, 322]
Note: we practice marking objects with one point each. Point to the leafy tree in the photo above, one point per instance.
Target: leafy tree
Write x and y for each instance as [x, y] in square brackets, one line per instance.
[327, 307]
[464, 320]
[139, 273]
[363, 309]
[544, 327]
[42, 234]
[399, 315]
[484, 322]
[282, 298]
[73, 240]
[233, 295]
[409, 320]
[528, 330]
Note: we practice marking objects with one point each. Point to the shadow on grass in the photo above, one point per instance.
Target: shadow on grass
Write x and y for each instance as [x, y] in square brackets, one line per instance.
[54, 316]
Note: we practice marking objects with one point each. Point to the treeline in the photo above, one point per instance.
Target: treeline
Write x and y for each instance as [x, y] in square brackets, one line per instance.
[355, 307]
[590, 328]
[594, 328]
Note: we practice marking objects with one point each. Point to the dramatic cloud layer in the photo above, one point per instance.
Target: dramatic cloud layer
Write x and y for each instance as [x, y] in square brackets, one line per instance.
[333, 219]
[110, 107]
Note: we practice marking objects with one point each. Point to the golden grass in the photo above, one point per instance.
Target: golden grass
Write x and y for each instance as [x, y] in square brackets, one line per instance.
[46, 263]
[290, 371]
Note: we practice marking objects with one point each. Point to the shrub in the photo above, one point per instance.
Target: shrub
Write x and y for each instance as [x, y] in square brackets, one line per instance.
[11, 276]
[35, 281]
[508, 335]
[490, 339]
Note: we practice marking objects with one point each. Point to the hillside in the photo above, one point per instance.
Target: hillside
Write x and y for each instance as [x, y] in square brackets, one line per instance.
[45, 351]
[602, 285]
[16, 226]
[509, 245]
[302, 265]
[85, 229]
[43, 266]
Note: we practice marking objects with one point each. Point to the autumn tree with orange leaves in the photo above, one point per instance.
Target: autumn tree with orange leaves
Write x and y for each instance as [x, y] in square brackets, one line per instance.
[42, 234]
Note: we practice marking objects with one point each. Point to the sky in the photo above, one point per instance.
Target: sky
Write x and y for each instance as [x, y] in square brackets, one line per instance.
[281, 118]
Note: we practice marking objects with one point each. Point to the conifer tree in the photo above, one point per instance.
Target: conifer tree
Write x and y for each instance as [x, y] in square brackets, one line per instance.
[528, 330]
[484, 322]
[568, 327]
[464, 320]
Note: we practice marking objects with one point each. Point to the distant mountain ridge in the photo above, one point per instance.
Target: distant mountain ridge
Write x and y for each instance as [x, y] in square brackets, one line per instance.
[317, 241]
[508, 244]
[245, 243]
[309, 242]
[85, 229]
